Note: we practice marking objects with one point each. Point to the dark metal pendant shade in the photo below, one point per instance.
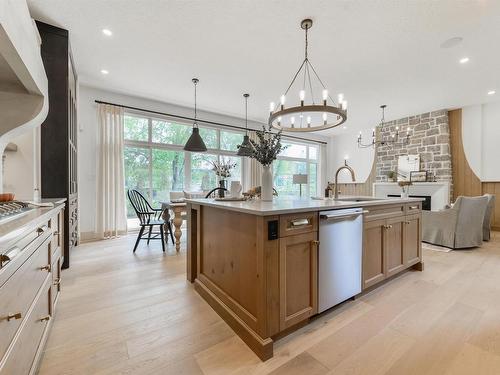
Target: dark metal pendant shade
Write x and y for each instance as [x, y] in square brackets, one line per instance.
[195, 142]
[246, 148]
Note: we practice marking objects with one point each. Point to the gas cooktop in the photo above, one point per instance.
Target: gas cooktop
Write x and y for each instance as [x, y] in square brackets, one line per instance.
[12, 210]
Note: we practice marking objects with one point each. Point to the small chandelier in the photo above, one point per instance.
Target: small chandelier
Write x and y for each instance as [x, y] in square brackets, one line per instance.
[246, 148]
[310, 116]
[195, 142]
[394, 139]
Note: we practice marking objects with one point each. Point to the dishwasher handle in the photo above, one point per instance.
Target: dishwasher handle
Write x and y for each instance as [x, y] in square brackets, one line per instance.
[345, 216]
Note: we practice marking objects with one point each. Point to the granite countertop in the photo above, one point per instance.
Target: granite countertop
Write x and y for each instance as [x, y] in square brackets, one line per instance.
[291, 205]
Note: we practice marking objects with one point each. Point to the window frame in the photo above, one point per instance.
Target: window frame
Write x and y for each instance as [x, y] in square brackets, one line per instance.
[150, 145]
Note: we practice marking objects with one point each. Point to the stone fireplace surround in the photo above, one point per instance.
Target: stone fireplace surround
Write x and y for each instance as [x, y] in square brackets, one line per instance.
[429, 137]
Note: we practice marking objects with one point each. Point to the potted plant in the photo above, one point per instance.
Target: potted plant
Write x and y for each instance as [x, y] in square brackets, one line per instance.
[222, 170]
[391, 176]
[405, 188]
[265, 150]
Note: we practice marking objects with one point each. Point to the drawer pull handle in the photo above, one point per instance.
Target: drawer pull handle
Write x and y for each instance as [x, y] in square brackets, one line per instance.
[299, 222]
[413, 207]
[45, 268]
[42, 229]
[45, 318]
[57, 233]
[315, 242]
[388, 226]
[57, 281]
[10, 317]
[407, 222]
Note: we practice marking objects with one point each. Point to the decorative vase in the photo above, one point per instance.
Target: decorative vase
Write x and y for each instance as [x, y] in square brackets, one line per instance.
[405, 193]
[266, 193]
[222, 185]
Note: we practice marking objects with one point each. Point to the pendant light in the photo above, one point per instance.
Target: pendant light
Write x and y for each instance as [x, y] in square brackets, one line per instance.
[246, 148]
[195, 142]
[312, 114]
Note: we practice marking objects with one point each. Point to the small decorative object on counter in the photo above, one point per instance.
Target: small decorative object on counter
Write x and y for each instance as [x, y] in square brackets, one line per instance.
[222, 170]
[405, 186]
[391, 176]
[329, 190]
[418, 176]
[265, 150]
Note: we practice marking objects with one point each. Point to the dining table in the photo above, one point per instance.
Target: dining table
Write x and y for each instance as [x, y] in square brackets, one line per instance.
[179, 209]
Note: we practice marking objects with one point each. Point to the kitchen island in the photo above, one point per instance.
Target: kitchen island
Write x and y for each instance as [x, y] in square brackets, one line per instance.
[256, 263]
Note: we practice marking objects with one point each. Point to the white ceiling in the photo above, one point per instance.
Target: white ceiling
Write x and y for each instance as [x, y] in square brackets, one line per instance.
[375, 52]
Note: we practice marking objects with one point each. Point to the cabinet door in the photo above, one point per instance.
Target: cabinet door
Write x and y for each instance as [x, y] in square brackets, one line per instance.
[412, 240]
[373, 253]
[298, 278]
[394, 244]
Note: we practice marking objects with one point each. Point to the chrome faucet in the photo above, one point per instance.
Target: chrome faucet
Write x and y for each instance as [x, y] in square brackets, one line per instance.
[345, 166]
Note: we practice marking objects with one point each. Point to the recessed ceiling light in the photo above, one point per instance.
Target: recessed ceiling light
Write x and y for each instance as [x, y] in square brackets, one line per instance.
[452, 42]
[491, 92]
[107, 32]
[104, 71]
[345, 127]
[464, 60]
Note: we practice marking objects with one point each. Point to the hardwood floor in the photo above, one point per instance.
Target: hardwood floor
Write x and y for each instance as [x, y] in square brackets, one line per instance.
[121, 313]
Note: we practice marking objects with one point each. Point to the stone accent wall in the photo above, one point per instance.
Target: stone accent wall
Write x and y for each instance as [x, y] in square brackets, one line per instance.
[429, 137]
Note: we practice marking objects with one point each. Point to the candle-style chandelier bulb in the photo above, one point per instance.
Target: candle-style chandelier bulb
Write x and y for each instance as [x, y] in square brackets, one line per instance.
[325, 96]
[302, 96]
[325, 118]
[282, 100]
[272, 107]
[340, 98]
[292, 121]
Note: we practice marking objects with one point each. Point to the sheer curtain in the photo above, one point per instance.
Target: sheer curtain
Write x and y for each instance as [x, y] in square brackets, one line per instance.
[111, 217]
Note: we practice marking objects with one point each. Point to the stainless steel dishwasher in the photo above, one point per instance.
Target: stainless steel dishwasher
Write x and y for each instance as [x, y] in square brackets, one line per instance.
[340, 256]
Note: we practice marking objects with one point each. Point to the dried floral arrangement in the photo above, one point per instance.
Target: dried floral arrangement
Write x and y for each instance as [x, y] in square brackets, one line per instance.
[222, 168]
[404, 183]
[267, 147]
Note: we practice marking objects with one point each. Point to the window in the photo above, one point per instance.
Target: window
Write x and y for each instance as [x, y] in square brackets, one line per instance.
[297, 158]
[156, 164]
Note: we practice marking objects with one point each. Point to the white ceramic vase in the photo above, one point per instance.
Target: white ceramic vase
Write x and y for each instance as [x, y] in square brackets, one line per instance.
[266, 193]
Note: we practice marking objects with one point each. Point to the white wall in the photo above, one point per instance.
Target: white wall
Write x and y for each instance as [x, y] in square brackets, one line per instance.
[481, 136]
[87, 112]
[19, 167]
[360, 159]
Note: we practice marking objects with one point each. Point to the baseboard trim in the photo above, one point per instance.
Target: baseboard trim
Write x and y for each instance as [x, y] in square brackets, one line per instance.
[263, 348]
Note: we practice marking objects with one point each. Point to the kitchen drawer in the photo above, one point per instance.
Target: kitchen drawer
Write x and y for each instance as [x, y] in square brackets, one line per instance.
[384, 212]
[56, 277]
[18, 293]
[20, 248]
[413, 208]
[21, 358]
[56, 224]
[298, 223]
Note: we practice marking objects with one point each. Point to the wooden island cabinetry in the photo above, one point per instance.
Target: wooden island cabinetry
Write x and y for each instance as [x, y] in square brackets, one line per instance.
[30, 283]
[391, 242]
[256, 263]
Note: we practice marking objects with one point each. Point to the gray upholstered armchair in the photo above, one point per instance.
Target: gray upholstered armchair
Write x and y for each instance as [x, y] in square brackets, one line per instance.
[487, 217]
[458, 227]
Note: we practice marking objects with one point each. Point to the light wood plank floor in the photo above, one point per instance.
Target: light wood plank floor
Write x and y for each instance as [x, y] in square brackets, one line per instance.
[121, 313]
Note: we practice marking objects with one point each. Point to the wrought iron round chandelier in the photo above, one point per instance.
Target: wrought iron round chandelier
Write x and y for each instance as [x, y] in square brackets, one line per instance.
[310, 114]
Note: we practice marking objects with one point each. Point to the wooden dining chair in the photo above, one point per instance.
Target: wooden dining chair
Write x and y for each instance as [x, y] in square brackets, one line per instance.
[216, 192]
[149, 217]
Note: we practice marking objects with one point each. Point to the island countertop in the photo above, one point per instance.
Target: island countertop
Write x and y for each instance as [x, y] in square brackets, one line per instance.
[293, 205]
